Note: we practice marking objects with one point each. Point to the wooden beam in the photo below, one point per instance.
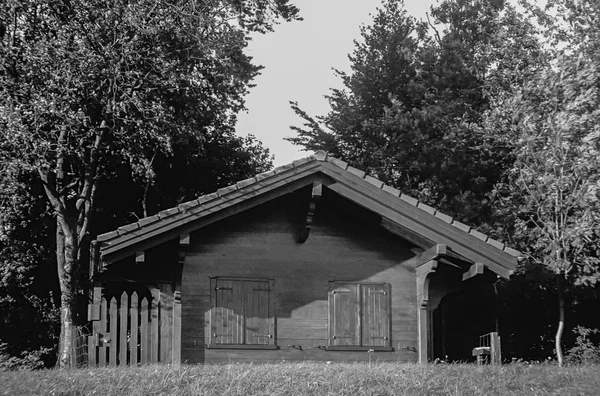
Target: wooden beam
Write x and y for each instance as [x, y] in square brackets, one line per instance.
[304, 231]
[433, 253]
[474, 270]
[140, 257]
[184, 240]
[406, 233]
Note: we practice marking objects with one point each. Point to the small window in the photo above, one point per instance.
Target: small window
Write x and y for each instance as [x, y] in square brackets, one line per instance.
[359, 316]
[242, 313]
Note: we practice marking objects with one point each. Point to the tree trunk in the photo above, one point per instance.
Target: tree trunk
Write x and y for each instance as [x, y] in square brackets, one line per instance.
[66, 254]
[561, 317]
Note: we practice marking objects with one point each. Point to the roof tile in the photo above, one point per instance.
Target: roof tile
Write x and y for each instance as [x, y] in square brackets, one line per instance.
[461, 226]
[150, 219]
[443, 216]
[247, 182]
[283, 168]
[226, 190]
[208, 197]
[265, 175]
[168, 212]
[495, 243]
[409, 199]
[356, 172]
[301, 161]
[426, 208]
[374, 181]
[478, 235]
[338, 162]
[321, 155]
[391, 190]
[512, 251]
[188, 205]
[129, 227]
[107, 236]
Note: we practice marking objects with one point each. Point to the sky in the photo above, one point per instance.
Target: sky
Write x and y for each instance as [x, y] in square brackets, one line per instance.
[298, 59]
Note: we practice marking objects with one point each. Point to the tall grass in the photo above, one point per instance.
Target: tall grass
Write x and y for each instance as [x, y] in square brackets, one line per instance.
[309, 379]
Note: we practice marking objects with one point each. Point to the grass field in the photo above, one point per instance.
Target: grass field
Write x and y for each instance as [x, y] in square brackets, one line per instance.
[309, 379]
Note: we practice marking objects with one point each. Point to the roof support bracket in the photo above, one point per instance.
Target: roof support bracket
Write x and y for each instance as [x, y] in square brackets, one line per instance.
[474, 270]
[317, 192]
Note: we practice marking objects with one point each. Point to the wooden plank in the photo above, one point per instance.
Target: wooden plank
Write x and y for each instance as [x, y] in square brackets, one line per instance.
[177, 308]
[123, 316]
[102, 327]
[166, 323]
[144, 332]
[154, 334]
[134, 329]
[114, 341]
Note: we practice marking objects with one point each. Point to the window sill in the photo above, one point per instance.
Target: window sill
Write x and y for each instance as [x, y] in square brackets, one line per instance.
[359, 348]
[241, 346]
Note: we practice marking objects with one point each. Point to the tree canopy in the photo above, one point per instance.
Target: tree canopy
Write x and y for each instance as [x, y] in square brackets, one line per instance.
[90, 90]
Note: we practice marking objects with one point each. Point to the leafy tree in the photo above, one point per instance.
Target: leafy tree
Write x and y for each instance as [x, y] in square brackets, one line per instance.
[410, 110]
[84, 84]
[27, 307]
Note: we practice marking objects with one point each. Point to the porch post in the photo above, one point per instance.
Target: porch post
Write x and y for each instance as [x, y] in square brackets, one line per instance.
[423, 316]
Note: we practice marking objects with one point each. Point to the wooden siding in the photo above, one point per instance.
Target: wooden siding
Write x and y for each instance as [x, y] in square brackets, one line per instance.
[346, 243]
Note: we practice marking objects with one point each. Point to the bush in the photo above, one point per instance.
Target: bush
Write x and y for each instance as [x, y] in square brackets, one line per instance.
[27, 360]
[586, 349]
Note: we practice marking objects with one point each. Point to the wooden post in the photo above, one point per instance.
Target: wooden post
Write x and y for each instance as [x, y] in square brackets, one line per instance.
[112, 349]
[184, 243]
[144, 342]
[495, 355]
[102, 333]
[94, 317]
[133, 354]
[423, 316]
[154, 358]
[123, 314]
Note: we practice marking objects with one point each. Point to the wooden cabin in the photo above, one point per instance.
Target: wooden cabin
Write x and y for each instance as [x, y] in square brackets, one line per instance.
[314, 260]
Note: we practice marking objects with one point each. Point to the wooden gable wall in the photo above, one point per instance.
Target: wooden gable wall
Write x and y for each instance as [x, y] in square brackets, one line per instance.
[346, 243]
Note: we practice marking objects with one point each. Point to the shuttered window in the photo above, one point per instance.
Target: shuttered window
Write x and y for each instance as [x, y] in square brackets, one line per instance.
[359, 316]
[242, 313]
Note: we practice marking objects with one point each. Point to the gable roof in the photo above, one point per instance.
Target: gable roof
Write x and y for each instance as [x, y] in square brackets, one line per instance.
[400, 213]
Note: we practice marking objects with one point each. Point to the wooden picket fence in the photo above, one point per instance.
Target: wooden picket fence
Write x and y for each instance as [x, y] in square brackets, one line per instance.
[125, 331]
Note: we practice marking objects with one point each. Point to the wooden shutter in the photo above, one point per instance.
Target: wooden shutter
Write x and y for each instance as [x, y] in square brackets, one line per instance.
[258, 313]
[344, 315]
[375, 314]
[228, 307]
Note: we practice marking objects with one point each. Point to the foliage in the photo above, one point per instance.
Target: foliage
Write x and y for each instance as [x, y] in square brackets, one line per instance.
[311, 378]
[87, 84]
[410, 110]
[585, 351]
[28, 315]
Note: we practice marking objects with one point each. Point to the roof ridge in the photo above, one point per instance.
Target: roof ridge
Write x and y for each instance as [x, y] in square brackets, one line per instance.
[322, 156]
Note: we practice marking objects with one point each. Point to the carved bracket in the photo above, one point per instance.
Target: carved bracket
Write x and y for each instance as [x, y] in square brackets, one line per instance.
[474, 270]
[423, 272]
[317, 191]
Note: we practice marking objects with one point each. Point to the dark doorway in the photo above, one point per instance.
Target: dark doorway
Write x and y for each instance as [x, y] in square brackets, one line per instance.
[459, 321]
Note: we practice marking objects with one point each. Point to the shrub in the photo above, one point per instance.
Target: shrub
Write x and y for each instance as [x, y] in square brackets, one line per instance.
[585, 351]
